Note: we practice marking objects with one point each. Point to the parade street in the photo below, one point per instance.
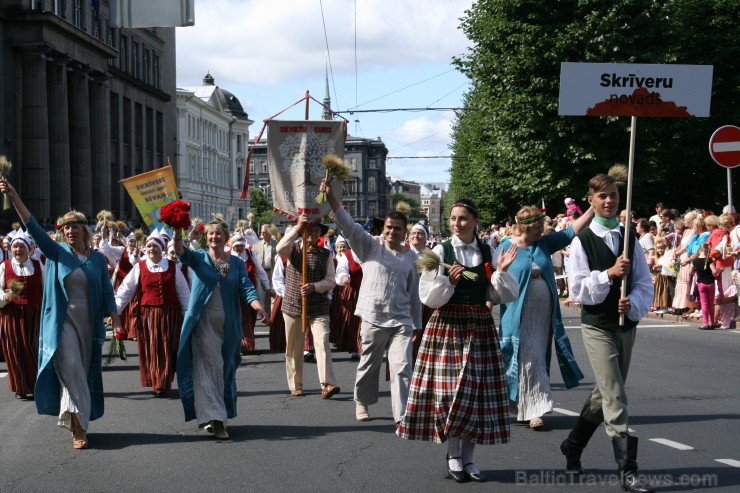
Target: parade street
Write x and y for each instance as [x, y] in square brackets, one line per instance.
[683, 396]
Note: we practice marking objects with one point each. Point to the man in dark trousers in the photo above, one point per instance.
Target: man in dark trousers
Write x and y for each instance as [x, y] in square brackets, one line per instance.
[597, 270]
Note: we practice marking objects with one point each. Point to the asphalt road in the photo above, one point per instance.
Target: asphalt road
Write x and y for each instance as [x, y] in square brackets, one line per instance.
[684, 401]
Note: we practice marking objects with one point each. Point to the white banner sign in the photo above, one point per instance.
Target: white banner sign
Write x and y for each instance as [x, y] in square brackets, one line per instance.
[630, 89]
[294, 153]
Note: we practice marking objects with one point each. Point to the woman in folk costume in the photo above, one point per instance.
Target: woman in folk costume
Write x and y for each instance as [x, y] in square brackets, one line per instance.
[349, 278]
[163, 294]
[20, 314]
[124, 259]
[458, 391]
[172, 257]
[531, 322]
[77, 295]
[256, 272]
[208, 355]
[418, 237]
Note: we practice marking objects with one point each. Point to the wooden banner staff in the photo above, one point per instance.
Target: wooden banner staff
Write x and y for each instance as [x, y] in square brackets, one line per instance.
[628, 214]
[304, 248]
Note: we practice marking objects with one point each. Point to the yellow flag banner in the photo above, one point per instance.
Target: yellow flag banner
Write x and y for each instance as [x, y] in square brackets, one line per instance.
[150, 191]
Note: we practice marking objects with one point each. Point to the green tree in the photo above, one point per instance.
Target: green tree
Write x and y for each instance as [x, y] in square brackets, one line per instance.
[416, 214]
[513, 149]
[260, 207]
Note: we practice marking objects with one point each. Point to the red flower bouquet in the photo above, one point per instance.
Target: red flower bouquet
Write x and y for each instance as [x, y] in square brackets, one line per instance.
[176, 214]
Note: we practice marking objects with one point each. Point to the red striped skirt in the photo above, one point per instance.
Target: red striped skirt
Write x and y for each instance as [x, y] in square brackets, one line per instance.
[159, 337]
[349, 335]
[277, 326]
[459, 386]
[19, 338]
[249, 320]
[336, 317]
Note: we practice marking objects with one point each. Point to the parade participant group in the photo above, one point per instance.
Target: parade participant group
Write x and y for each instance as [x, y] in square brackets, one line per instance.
[191, 305]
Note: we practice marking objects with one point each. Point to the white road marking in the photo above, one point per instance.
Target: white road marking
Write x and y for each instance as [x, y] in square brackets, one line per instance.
[729, 462]
[642, 326]
[3, 374]
[261, 333]
[565, 411]
[672, 444]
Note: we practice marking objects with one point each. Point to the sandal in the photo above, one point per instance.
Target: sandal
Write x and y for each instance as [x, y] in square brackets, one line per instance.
[536, 424]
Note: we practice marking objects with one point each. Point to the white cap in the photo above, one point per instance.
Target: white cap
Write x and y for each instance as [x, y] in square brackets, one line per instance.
[20, 235]
[238, 239]
[157, 238]
[340, 239]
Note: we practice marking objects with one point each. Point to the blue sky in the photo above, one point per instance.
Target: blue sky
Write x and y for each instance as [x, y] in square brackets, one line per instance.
[269, 52]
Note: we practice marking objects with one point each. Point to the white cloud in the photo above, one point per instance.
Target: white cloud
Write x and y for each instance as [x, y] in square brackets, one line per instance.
[266, 42]
[423, 134]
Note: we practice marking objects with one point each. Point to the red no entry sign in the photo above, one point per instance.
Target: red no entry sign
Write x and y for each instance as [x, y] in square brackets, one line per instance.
[724, 146]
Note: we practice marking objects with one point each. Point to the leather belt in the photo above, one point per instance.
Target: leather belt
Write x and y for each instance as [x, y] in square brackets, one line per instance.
[536, 276]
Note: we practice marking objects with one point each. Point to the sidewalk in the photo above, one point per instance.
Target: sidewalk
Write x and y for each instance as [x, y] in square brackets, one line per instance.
[666, 317]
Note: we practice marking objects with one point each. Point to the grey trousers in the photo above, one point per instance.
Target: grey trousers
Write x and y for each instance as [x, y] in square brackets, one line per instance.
[375, 340]
[610, 353]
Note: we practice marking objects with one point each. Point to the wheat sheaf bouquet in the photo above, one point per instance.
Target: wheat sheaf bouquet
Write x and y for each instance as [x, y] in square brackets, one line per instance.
[336, 169]
[430, 261]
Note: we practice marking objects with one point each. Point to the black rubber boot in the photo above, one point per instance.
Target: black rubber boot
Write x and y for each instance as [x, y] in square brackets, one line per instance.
[625, 453]
[572, 447]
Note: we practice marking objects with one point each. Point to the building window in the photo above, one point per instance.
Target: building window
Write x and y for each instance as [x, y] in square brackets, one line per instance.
[145, 65]
[372, 164]
[124, 54]
[263, 168]
[155, 71]
[350, 187]
[372, 185]
[135, 60]
[352, 161]
[371, 209]
[238, 143]
[78, 13]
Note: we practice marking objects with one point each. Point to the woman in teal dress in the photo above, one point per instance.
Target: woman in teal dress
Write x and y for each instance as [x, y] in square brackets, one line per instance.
[77, 296]
[529, 323]
[211, 335]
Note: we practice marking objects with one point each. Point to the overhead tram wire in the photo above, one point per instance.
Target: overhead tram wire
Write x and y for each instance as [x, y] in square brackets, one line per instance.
[403, 88]
[391, 110]
[328, 53]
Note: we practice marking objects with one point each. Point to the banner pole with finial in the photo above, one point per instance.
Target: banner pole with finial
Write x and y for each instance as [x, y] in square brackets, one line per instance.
[304, 247]
[628, 214]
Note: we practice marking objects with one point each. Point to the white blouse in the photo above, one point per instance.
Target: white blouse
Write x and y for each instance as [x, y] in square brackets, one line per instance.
[436, 290]
[127, 289]
[20, 269]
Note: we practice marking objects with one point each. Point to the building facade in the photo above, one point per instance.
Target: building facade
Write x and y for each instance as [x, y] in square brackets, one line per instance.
[366, 193]
[432, 196]
[213, 133]
[83, 105]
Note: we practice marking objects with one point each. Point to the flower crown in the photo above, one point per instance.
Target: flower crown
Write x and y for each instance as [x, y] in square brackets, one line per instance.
[532, 219]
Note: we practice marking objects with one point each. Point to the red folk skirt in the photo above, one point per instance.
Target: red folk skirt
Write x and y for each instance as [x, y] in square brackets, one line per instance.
[158, 339]
[277, 326]
[19, 338]
[349, 334]
[459, 386]
[249, 320]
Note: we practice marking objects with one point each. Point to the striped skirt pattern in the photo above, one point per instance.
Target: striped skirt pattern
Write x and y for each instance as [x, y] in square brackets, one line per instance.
[249, 320]
[458, 387]
[277, 326]
[159, 338]
[19, 337]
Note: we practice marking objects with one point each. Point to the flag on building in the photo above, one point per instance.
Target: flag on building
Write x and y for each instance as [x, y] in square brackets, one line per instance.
[152, 13]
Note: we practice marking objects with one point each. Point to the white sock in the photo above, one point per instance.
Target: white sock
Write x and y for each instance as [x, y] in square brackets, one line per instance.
[468, 448]
[453, 450]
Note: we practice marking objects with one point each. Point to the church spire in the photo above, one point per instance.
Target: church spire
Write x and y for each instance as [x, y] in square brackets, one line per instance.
[327, 114]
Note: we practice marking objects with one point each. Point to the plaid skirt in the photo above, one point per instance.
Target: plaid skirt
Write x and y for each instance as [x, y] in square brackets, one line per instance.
[458, 387]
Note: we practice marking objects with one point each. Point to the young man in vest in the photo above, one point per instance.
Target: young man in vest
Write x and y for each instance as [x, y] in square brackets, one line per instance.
[388, 305]
[597, 270]
[319, 283]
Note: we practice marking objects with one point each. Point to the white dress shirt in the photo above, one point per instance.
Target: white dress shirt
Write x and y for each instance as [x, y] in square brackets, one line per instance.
[259, 272]
[278, 278]
[591, 287]
[25, 269]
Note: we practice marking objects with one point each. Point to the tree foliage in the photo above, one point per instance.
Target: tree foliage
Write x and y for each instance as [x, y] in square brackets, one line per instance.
[260, 207]
[515, 150]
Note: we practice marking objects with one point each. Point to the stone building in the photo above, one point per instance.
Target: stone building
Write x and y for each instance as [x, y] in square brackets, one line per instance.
[83, 104]
[432, 196]
[213, 132]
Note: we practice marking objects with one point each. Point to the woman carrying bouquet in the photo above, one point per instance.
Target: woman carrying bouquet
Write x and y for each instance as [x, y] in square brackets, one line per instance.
[20, 313]
[77, 295]
[458, 391]
[211, 335]
[163, 295]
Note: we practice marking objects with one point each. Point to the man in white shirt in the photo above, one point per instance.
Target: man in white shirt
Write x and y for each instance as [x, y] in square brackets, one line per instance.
[388, 305]
[596, 272]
